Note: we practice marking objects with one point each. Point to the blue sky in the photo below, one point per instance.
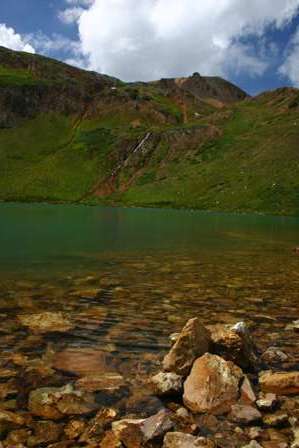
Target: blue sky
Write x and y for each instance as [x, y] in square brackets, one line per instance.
[252, 43]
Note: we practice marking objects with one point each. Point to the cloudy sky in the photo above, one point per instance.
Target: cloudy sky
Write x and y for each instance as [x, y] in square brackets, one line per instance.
[254, 43]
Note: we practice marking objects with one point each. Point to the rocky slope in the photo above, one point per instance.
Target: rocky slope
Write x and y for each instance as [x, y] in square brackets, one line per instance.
[71, 135]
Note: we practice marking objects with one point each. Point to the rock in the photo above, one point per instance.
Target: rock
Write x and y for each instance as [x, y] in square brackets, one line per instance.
[16, 437]
[74, 429]
[274, 356]
[293, 326]
[244, 414]
[255, 432]
[167, 384]
[46, 322]
[12, 417]
[44, 432]
[234, 343]
[252, 444]
[110, 441]
[90, 293]
[247, 392]
[212, 386]
[135, 433]
[156, 426]
[280, 383]
[98, 425]
[266, 402]
[106, 382]
[193, 341]
[182, 440]
[82, 362]
[53, 402]
[277, 419]
[295, 443]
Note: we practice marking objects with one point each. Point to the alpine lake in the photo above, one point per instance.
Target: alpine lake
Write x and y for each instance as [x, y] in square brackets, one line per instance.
[121, 280]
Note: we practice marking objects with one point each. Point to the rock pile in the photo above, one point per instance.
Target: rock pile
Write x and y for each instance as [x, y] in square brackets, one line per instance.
[212, 392]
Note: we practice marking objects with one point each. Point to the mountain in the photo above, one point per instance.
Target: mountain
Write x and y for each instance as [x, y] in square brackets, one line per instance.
[71, 135]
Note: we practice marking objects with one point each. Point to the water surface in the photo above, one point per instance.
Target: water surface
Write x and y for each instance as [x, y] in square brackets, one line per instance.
[151, 270]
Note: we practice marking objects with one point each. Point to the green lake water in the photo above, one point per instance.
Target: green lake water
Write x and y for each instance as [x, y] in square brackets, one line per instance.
[151, 270]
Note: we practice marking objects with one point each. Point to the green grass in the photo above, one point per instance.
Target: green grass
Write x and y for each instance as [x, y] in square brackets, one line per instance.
[15, 77]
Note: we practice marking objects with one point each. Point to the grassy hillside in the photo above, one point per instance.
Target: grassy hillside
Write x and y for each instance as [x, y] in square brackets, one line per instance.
[194, 142]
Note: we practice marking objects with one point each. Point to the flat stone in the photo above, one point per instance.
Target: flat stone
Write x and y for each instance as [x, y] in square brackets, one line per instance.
[74, 429]
[280, 383]
[82, 361]
[193, 341]
[46, 322]
[244, 414]
[234, 343]
[156, 426]
[11, 417]
[212, 386]
[167, 384]
[107, 382]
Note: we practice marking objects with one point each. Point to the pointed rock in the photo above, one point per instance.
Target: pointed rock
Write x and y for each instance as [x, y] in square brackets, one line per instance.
[193, 341]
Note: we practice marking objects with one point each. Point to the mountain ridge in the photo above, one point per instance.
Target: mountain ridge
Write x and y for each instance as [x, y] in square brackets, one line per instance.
[199, 142]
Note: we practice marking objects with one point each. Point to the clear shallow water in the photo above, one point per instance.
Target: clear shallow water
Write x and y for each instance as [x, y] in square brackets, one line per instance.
[152, 269]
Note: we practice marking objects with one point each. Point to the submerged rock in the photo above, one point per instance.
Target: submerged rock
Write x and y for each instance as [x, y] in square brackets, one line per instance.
[44, 432]
[280, 383]
[53, 403]
[107, 382]
[193, 341]
[274, 356]
[167, 384]
[182, 440]
[234, 343]
[46, 322]
[213, 385]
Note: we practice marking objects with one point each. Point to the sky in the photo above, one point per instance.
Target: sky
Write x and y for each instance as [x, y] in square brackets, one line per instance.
[253, 43]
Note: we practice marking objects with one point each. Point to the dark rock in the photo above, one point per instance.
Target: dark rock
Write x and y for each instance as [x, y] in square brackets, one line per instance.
[234, 343]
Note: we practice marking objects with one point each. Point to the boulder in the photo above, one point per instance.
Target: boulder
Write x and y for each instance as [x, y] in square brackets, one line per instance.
[182, 440]
[213, 385]
[280, 383]
[244, 414]
[193, 341]
[234, 343]
[167, 384]
[53, 402]
[47, 322]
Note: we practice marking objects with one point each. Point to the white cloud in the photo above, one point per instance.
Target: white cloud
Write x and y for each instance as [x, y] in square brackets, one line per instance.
[10, 39]
[70, 15]
[148, 39]
[290, 67]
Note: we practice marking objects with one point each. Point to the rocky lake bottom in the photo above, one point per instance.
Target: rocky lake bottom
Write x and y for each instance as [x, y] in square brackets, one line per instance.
[81, 340]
